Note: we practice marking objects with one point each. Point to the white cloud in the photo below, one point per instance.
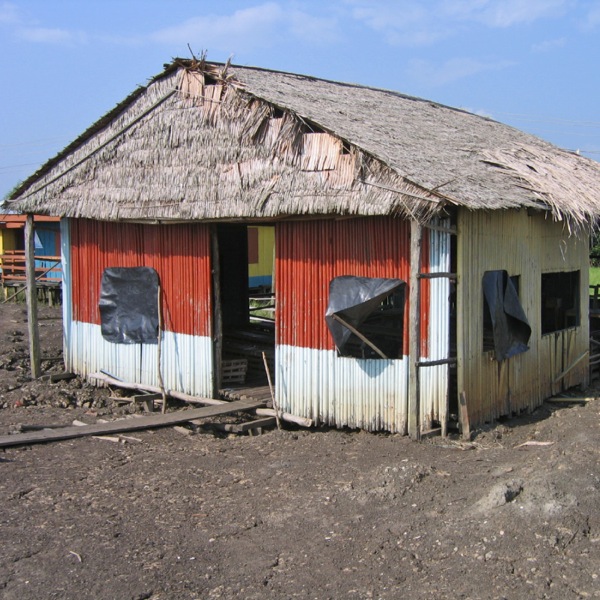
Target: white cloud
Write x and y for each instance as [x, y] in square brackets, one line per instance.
[314, 29]
[258, 26]
[248, 25]
[47, 35]
[592, 19]
[402, 23]
[505, 13]
[549, 45]
[414, 23]
[262, 25]
[451, 70]
[9, 13]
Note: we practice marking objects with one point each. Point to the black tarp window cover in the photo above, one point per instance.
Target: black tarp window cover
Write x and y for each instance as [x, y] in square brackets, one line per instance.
[129, 305]
[509, 324]
[365, 316]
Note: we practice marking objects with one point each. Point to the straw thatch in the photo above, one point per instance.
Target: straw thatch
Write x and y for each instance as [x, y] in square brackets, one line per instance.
[209, 141]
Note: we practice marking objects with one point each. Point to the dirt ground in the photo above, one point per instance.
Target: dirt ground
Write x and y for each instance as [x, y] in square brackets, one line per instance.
[292, 513]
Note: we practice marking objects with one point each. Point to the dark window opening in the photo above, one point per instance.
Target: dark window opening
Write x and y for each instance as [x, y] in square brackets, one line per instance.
[506, 330]
[366, 316]
[129, 305]
[345, 147]
[560, 301]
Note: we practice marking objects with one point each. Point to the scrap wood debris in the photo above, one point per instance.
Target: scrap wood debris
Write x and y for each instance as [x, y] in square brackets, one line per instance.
[534, 443]
[123, 425]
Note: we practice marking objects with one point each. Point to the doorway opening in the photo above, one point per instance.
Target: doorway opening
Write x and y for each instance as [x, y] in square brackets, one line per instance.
[244, 278]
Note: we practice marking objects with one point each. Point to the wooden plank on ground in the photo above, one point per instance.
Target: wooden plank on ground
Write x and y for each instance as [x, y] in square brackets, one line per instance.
[61, 376]
[150, 422]
[242, 427]
[570, 400]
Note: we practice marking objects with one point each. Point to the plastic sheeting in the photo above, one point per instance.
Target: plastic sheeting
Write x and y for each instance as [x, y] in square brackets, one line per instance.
[510, 326]
[354, 299]
[129, 305]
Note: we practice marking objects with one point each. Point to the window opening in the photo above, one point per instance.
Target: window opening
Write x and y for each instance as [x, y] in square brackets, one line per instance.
[560, 301]
[506, 330]
[366, 316]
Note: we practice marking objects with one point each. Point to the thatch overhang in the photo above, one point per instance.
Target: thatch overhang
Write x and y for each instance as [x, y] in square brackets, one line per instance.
[217, 142]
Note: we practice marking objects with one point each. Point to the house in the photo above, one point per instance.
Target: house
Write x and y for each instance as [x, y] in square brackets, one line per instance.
[12, 251]
[422, 253]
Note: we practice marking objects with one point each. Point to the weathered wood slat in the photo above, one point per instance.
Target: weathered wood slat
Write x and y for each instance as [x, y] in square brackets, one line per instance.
[149, 422]
[152, 389]
[242, 427]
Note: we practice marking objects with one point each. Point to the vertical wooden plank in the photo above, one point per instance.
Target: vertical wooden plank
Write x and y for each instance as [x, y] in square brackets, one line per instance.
[32, 314]
[217, 314]
[414, 341]
[463, 417]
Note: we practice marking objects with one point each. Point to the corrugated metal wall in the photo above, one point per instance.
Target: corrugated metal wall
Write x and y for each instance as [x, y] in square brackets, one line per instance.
[435, 345]
[314, 382]
[181, 256]
[526, 246]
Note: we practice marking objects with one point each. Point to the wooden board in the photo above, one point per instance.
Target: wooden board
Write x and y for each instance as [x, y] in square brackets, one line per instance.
[568, 400]
[463, 416]
[242, 427]
[150, 422]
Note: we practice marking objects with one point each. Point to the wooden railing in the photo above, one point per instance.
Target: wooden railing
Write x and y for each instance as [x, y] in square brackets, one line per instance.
[13, 270]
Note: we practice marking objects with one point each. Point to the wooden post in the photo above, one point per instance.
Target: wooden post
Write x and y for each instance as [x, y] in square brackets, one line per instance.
[463, 417]
[32, 313]
[275, 407]
[414, 331]
[217, 314]
[161, 383]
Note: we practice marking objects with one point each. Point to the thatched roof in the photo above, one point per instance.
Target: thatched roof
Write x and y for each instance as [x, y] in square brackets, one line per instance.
[212, 141]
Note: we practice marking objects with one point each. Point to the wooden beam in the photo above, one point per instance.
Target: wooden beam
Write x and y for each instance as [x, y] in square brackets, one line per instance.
[435, 363]
[450, 230]
[463, 417]
[270, 412]
[66, 376]
[414, 331]
[217, 311]
[438, 275]
[359, 335]
[153, 389]
[150, 422]
[570, 367]
[31, 295]
[568, 400]
[243, 427]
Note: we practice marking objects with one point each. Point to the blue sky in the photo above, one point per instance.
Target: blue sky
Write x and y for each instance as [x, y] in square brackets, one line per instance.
[533, 64]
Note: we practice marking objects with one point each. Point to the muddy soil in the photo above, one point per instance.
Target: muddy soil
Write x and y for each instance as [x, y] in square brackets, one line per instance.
[292, 513]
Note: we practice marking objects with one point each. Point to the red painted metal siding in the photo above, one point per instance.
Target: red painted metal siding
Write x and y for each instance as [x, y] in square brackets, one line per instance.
[311, 253]
[179, 253]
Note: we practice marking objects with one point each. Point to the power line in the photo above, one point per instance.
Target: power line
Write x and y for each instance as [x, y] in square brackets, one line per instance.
[44, 142]
[6, 168]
